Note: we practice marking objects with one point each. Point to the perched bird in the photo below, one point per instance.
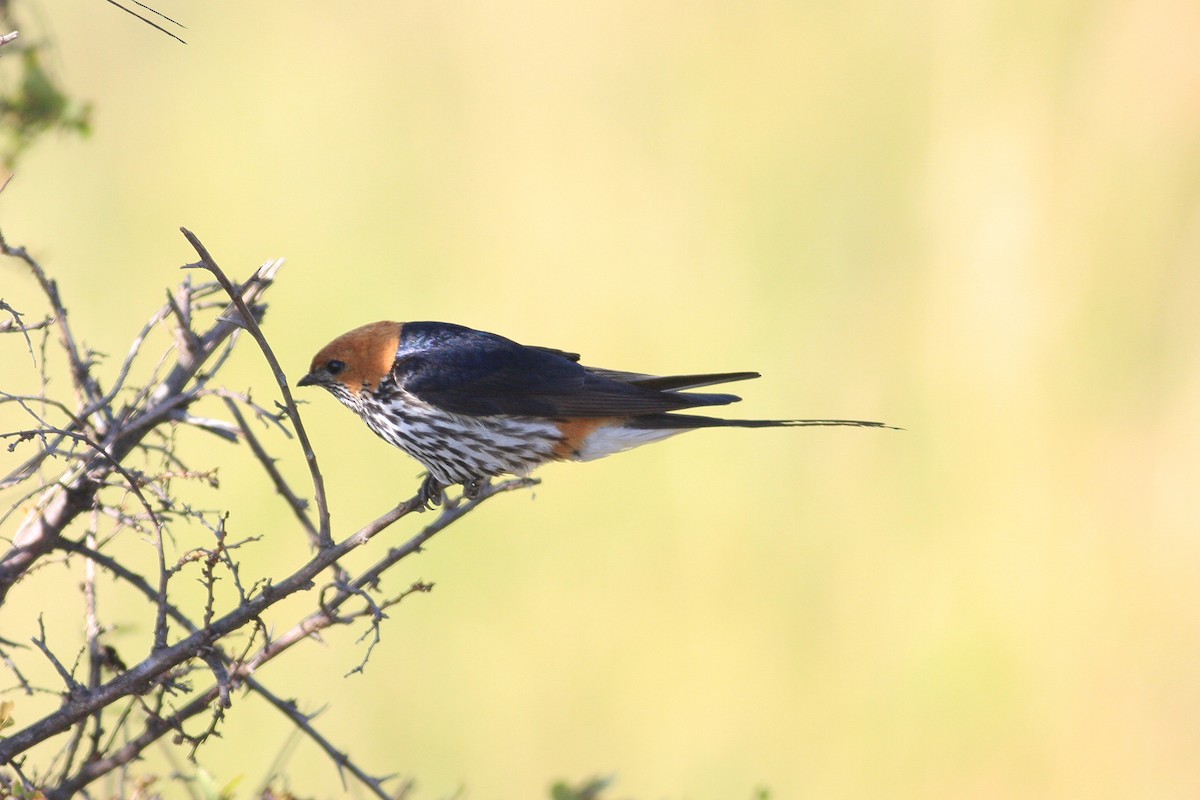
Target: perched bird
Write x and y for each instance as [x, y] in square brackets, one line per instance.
[470, 405]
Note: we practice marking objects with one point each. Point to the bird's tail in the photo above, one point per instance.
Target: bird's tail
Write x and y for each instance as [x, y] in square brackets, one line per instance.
[690, 421]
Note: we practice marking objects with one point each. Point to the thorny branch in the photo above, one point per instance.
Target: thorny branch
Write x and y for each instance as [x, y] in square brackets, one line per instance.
[247, 318]
[119, 434]
[114, 446]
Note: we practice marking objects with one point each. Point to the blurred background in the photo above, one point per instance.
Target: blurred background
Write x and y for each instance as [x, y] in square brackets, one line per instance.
[976, 220]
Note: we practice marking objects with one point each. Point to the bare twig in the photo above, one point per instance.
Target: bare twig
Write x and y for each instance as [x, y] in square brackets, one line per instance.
[343, 761]
[327, 616]
[15, 324]
[110, 462]
[376, 611]
[149, 22]
[161, 662]
[298, 505]
[288, 708]
[74, 687]
[121, 465]
[76, 494]
[96, 654]
[8, 662]
[85, 384]
[248, 320]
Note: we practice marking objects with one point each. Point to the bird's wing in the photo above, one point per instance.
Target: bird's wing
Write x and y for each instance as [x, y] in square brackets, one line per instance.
[672, 383]
[555, 351]
[480, 374]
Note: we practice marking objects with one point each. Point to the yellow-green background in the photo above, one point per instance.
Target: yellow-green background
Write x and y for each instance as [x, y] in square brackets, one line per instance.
[976, 220]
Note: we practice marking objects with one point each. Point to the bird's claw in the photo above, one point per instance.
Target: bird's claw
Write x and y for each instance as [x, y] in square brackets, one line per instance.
[472, 489]
[429, 496]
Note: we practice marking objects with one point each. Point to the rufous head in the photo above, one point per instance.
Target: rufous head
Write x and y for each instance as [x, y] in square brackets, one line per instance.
[356, 360]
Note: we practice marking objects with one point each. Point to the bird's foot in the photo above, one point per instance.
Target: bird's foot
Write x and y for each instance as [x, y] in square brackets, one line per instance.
[430, 494]
[473, 488]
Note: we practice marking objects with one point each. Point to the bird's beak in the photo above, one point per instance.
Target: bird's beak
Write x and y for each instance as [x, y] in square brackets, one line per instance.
[308, 380]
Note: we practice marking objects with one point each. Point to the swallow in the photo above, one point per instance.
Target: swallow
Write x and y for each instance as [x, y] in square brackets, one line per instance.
[470, 405]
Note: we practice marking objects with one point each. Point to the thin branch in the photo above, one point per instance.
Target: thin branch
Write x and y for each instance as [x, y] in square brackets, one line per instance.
[112, 463]
[160, 663]
[376, 612]
[94, 444]
[22, 682]
[96, 654]
[327, 616]
[158, 13]
[15, 324]
[298, 505]
[286, 707]
[77, 493]
[74, 687]
[23, 400]
[339, 757]
[251, 324]
[100, 404]
[85, 384]
[149, 22]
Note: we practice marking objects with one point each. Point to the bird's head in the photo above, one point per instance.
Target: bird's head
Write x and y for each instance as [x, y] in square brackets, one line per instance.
[356, 360]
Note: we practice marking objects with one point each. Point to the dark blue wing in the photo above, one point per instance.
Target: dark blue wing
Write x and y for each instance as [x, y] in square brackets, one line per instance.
[471, 372]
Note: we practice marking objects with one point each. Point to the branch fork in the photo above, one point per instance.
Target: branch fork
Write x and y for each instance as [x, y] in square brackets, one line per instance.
[96, 441]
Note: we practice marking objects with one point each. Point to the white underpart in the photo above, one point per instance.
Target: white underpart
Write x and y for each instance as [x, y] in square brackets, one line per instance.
[613, 439]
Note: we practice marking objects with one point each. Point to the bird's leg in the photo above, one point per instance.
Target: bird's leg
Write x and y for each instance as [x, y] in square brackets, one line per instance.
[472, 488]
[430, 493]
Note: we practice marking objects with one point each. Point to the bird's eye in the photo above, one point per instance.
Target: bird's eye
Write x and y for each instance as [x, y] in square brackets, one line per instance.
[335, 366]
